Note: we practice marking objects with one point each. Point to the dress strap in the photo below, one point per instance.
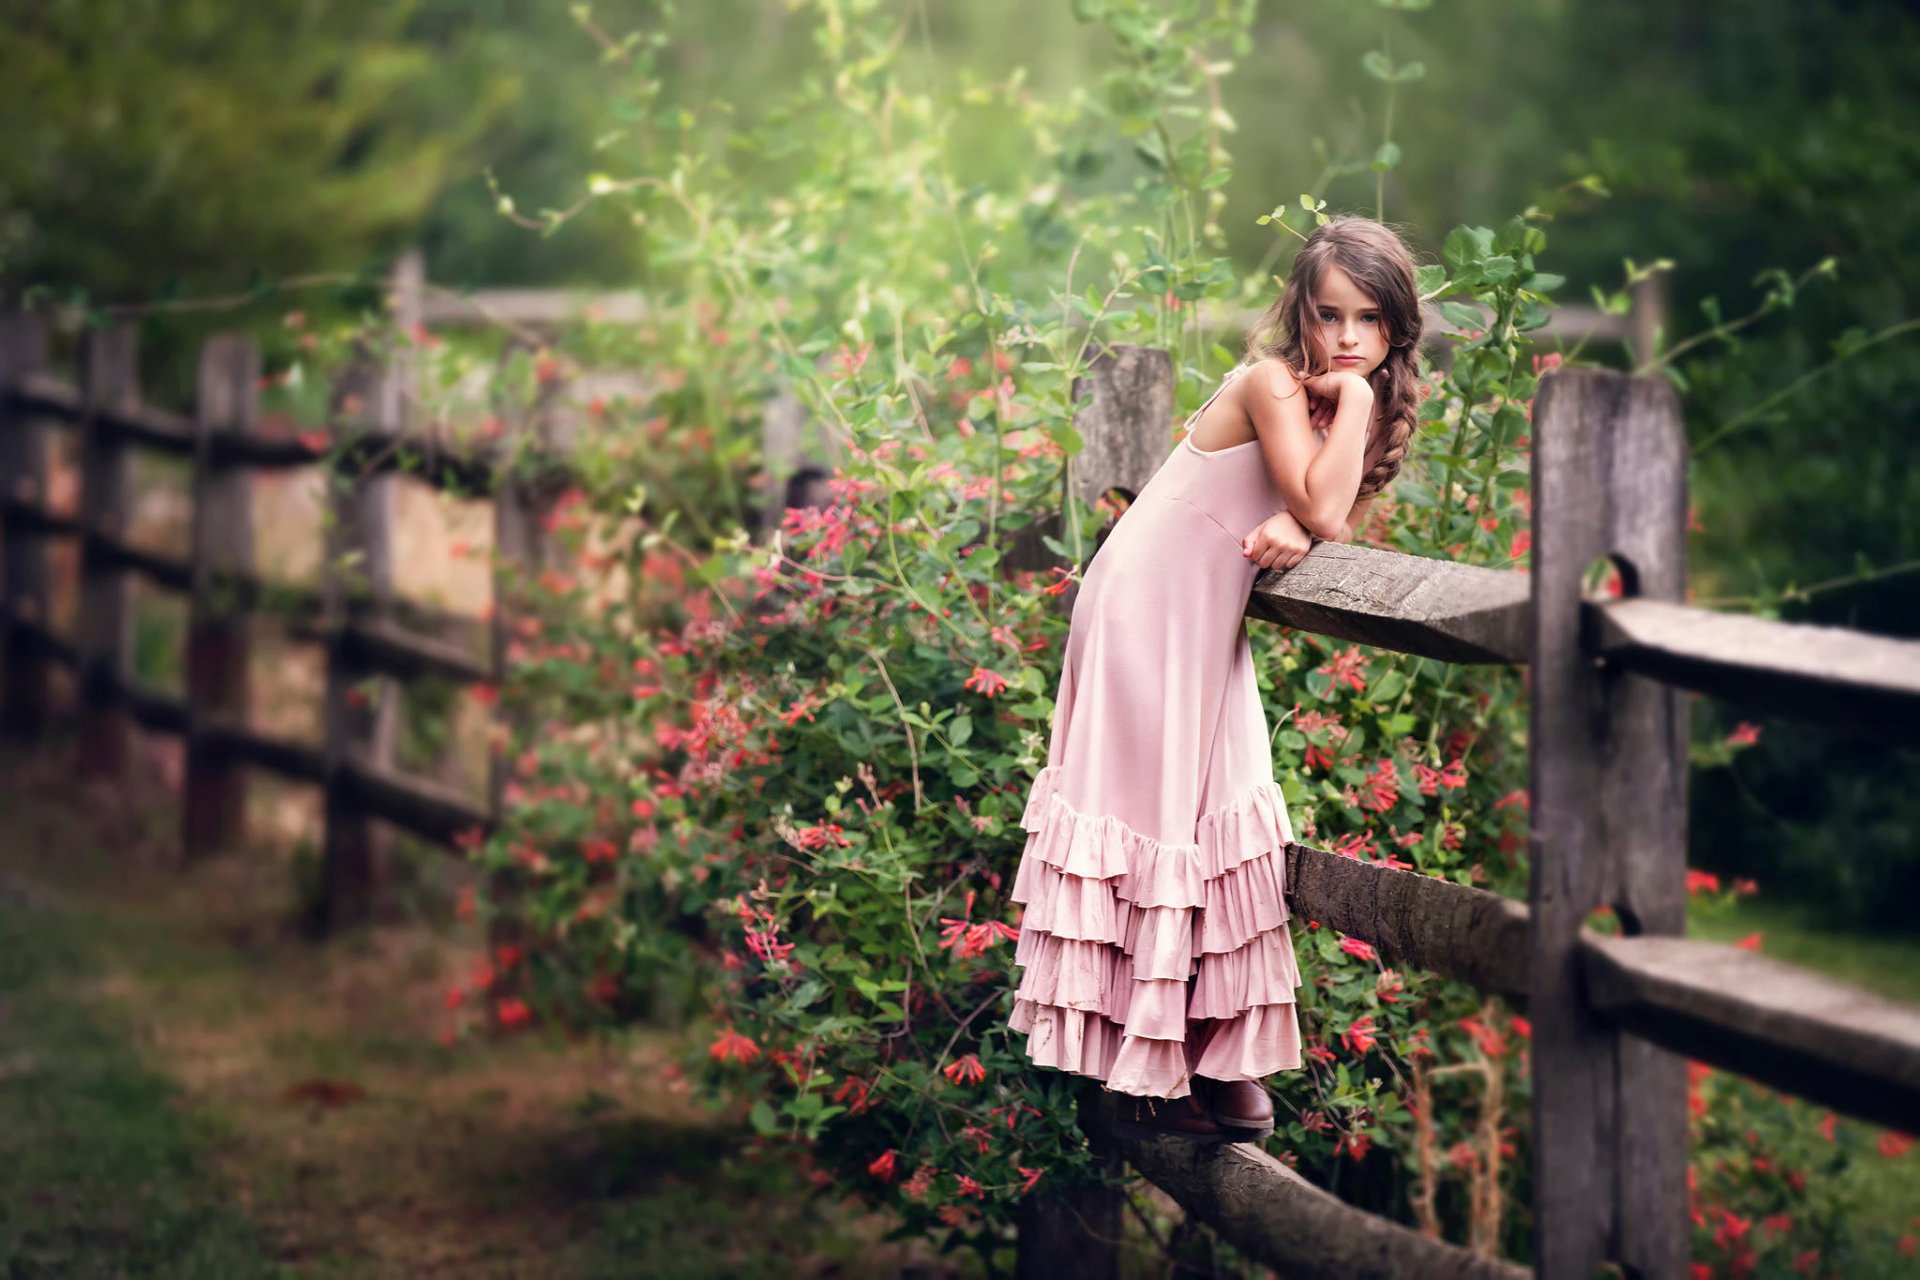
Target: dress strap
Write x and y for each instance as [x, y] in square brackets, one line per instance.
[1225, 379]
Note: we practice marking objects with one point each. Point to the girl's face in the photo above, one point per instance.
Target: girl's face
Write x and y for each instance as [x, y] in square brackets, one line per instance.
[1348, 333]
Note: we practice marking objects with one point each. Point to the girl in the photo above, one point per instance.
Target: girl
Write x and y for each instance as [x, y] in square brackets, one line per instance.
[1154, 944]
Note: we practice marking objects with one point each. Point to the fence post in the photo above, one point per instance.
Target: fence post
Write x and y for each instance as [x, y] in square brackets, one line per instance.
[109, 379]
[1123, 411]
[1123, 407]
[24, 581]
[363, 706]
[226, 400]
[1608, 813]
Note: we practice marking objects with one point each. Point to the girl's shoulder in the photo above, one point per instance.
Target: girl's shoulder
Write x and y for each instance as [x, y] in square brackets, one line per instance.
[1270, 374]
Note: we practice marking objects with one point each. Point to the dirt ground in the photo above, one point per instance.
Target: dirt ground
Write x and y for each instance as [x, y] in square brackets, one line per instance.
[331, 1129]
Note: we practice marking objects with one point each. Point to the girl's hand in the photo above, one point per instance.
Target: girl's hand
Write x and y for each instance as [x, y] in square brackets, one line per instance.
[1278, 542]
[1320, 412]
[1332, 385]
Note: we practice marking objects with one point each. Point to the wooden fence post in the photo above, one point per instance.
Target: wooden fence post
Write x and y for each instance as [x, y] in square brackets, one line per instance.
[226, 400]
[1124, 405]
[109, 373]
[363, 705]
[24, 580]
[1608, 812]
[1123, 410]
[796, 458]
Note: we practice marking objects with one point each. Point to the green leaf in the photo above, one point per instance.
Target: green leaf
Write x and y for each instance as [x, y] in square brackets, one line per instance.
[763, 1118]
[1466, 246]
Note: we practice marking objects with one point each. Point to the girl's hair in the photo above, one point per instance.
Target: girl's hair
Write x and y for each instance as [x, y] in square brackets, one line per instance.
[1380, 265]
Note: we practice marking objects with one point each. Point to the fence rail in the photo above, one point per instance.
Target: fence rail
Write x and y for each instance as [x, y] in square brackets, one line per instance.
[1607, 757]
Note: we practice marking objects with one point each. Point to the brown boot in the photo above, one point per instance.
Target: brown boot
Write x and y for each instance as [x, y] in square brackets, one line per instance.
[1243, 1108]
[1144, 1118]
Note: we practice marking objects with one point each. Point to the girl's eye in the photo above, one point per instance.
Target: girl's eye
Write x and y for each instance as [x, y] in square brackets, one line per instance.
[1327, 318]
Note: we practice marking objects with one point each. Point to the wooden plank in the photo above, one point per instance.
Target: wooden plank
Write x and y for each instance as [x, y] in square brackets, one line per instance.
[34, 518]
[25, 595]
[531, 308]
[392, 650]
[425, 808]
[1824, 675]
[110, 380]
[132, 423]
[1797, 1031]
[1278, 1218]
[1608, 809]
[1411, 604]
[218, 630]
[468, 468]
[1412, 919]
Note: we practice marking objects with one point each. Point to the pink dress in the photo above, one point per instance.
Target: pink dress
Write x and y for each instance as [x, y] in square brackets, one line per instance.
[1152, 874]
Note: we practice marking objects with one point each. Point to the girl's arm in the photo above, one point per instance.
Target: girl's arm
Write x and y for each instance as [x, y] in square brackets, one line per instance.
[1318, 482]
[1355, 518]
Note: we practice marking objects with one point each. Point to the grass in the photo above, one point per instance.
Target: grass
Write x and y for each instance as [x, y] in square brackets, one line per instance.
[188, 1089]
[104, 1170]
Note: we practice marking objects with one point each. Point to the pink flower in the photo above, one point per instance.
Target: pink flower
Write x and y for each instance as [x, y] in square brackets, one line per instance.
[883, 1165]
[1358, 948]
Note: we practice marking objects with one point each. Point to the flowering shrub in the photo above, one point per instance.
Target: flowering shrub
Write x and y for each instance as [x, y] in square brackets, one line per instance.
[777, 783]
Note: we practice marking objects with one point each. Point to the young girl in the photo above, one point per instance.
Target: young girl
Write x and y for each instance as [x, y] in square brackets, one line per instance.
[1154, 943]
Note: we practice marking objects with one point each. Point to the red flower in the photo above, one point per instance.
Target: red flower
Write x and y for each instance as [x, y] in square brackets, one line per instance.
[512, 1011]
[883, 1166]
[967, 1070]
[731, 1044]
[1358, 1037]
[1347, 667]
[1357, 948]
[1033, 1176]
[1744, 735]
[985, 681]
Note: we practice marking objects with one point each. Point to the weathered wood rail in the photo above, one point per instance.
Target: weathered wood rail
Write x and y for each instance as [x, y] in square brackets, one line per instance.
[1611, 1015]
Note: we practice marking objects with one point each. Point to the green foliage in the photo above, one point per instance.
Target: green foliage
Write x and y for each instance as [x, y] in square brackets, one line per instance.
[276, 135]
[797, 769]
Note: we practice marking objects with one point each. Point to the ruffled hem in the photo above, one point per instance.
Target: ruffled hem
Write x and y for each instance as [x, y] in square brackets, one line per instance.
[1127, 940]
[1089, 1044]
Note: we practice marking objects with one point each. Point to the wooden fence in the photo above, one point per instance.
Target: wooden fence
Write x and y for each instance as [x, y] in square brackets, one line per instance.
[1614, 1018]
[369, 636]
